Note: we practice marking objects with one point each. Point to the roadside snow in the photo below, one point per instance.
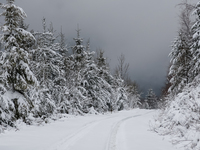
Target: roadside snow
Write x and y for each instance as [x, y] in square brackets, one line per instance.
[126, 130]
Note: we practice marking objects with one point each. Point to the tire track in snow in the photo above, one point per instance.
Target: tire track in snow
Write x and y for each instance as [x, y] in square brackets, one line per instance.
[112, 143]
[67, 142]
[70, 140]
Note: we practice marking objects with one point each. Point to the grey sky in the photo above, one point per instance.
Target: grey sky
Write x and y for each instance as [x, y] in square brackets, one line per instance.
[142, 30]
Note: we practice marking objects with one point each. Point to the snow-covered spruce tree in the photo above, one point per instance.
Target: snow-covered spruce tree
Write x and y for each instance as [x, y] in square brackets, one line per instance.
[63, 47]
[195, 50]
[102, 90]
[88, 45]
[181, 58]
[101, 60]
[16, 73]
[152, 99]
[120, 96]
[46, 67]
[60, 91]
[134, 96]
[105, 74]
[119, 85]
[94, 91]
[180, 64]
[73, 65]
[6, 115]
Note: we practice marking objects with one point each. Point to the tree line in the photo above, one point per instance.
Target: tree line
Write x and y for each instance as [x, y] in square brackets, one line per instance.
[39, 78]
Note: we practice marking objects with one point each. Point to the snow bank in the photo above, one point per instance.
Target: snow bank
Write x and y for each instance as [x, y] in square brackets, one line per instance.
[181, 118]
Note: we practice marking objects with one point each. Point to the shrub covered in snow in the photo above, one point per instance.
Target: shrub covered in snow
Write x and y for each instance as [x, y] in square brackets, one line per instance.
[181, 118]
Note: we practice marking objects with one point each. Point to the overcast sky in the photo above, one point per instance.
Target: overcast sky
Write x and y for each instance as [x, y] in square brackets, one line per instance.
[142, 30]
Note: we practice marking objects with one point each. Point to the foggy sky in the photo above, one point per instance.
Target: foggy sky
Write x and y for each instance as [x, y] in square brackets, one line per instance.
[142, 30]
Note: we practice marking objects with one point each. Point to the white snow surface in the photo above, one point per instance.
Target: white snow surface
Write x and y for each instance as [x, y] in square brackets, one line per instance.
[125, 130]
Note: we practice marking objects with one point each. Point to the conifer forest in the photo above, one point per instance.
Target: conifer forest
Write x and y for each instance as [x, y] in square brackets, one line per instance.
[44, 79]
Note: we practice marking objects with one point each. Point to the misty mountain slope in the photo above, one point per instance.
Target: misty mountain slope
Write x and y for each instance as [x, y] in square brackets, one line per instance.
[125, 130]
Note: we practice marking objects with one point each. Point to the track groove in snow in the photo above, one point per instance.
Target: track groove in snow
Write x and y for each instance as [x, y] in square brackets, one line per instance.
[112, 144]
[70, 140]
[125, 130]
[66, 143]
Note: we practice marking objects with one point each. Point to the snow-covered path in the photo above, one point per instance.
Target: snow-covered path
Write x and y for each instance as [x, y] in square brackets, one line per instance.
[126, 130]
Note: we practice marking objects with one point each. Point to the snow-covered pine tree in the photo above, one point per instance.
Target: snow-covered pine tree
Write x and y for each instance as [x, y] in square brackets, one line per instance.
[119, 84]
[101, 60]
[47, 66]
[88, 45]
[23, 25]
[120, 96]
[180, 64]
[63, 47]
[105, 74]
[134, 96]
[73, 65]
[180, 70]
[16, 74]
[94, 90]
[14, 38]
[152, 99]
[195, 50]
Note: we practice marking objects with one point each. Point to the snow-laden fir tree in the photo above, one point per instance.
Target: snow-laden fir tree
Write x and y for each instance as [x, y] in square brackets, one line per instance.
[101, 60]
[47, 64]
[180, 64]
[180, 70]
[195, 50]
[105, 74]
[152, 99]
[133, 95]
[15, 39]
[88, 45]
[120, 82]
[16, 74]
[63, 47]
[89, 79]
[120, 95]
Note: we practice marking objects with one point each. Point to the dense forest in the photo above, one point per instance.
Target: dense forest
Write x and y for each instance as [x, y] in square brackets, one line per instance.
[41, 76]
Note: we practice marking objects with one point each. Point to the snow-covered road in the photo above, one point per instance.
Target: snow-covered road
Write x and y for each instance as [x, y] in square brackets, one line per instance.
[126, 130]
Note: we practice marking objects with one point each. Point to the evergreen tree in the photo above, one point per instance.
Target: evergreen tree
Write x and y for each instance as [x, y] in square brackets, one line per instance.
[88, 45]
[120, 94]
[16, 76]
[180, 64]
[47, 66]
[195, 63]
[15, 39]
[180, 71]
[133, 94]
[151, 99]
[92, 81]
[63, 50]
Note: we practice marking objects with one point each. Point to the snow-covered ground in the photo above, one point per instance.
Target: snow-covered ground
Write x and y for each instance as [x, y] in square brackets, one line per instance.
[125, 130]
